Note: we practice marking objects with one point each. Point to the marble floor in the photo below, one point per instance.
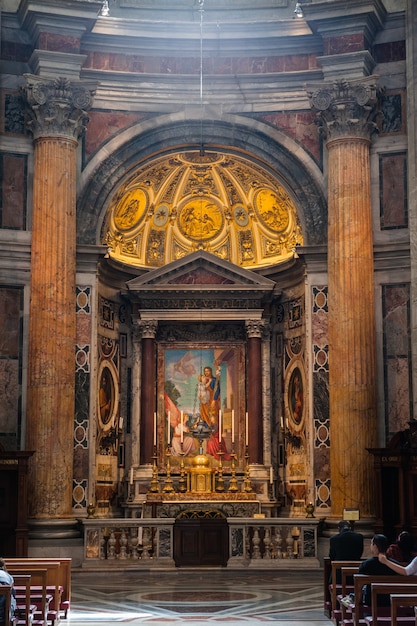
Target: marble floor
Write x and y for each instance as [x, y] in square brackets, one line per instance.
[197, 596]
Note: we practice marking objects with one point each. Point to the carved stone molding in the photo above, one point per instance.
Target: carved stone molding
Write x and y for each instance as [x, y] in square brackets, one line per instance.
[346, 109]
[56, 107]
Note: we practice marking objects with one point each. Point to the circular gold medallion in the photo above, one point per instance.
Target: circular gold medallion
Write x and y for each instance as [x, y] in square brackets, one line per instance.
[273, 208]
[130, 209]
[200, 219]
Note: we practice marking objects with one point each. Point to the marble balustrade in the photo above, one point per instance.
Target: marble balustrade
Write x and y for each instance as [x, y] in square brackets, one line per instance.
[253, 542]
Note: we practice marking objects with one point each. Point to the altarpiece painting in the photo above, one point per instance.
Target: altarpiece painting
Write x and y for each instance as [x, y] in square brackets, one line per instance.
[201, 390]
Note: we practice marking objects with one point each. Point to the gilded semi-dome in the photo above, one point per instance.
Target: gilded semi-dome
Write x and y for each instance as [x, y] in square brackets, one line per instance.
[221, 203]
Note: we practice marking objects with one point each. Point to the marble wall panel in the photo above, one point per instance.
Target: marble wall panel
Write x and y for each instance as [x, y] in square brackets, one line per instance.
[321, 435]
[301, 127]
[11, 310]
[82, 397]
[13, 171]
[397, 357]
[393, 191]
[103, 125]
[344, 44]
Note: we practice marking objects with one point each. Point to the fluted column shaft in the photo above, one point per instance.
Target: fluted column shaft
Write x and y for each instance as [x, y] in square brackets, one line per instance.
[56, 120]
[346, 111]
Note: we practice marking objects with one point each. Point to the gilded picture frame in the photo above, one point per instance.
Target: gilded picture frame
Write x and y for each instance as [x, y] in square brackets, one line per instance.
[201, 381]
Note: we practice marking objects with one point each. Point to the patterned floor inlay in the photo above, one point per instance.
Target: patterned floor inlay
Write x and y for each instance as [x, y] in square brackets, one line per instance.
[195, 597]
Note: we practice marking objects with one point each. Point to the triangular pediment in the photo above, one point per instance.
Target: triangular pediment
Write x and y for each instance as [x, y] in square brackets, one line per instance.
[201, 271]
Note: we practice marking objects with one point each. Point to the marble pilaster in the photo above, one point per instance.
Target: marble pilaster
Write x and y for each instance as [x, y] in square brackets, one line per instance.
[345, 111]
[56, 111]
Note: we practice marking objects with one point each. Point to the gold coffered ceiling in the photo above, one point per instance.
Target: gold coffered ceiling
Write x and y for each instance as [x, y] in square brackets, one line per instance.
[185, 202]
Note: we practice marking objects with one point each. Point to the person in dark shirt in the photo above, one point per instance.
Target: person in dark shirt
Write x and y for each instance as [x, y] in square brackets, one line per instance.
[403, 549]
[345, 546]
[373, 566]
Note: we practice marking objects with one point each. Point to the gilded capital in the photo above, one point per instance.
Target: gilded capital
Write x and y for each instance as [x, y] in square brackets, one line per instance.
[56, 107]
[346, 109]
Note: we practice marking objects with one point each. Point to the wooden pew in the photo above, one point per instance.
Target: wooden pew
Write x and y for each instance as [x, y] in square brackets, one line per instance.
[6, 592]
[399, 600]
[346, 590]
[359, 580]
[25, 609]
[382, 615]
[335, 589]
[38, 593]
[60, 578]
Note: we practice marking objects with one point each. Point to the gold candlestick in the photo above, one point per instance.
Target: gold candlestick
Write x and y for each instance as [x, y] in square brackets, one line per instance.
[154, 486]
[182, 482]
[233, 481]
[168, 484]
[220, 479]
[247, 485]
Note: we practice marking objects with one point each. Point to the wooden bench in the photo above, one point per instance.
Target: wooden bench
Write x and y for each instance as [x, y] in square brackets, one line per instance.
[336, 588]
[381, 616]
[38, 594]
[6, 593]
[359, 580]
[347, 588]
[399, 600]
[58, 577]
[25, 610]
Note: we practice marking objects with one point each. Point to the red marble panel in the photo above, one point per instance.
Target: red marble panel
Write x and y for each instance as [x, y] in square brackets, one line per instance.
[296, 62]
[106, 124]
[15, 51]
[389, 52]
[222, 65]
[83, 328]
[59, 43]
[10, 304]
[13, 191]
[344, 44]
[275, 64]
[300, 126]
[393, 197]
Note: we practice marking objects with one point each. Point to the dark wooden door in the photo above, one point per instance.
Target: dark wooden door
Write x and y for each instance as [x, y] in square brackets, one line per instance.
[201, 542]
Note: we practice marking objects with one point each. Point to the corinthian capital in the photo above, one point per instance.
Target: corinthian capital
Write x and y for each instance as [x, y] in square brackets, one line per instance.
[346, 108]
[254, 328]
[148, 328]
[56, 107]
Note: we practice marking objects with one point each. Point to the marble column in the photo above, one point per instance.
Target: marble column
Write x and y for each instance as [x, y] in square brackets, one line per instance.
[254, 329]
[148, 387]
[411, 73]
[57, 117]
[346, 112]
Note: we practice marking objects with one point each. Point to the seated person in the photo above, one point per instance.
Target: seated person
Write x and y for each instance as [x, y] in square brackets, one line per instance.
[403, 549]
[6, 579]
[345, 546]
[374, 565]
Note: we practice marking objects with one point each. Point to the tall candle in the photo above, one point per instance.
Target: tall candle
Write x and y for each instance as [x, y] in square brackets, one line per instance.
[271, 475]
[233, 426]
[131, 476]
[182, 428]
[247, 429]
[220, 426]
[154, 429]
[169, 428]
